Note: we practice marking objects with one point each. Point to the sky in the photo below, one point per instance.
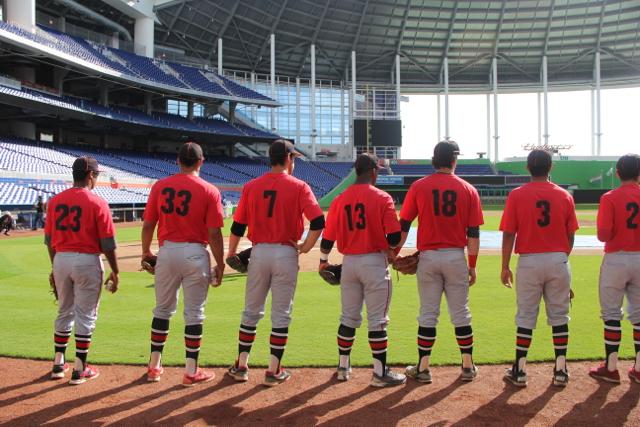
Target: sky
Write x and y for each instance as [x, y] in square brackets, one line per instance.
[569, 123]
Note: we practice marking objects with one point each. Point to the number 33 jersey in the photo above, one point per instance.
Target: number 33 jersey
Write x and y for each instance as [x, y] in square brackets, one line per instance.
[273, 205]
[360, 218]
[619, 213]
[542, 215]
[185, 207]
[446, 206]
[79, 221]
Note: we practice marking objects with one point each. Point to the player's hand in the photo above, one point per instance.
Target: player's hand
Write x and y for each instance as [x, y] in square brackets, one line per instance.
[300, 247]
[215, 278]
[472, 276]
[112, 282]
[506, 277]
[148, 254]
[391, 255]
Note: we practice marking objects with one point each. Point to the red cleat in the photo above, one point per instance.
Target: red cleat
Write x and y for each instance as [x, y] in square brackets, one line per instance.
[634, 375]
[201, 376]
[602, 373]
[154, 374]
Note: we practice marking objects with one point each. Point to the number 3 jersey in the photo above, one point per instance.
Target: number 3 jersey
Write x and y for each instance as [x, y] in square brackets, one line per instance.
[619, 213]
[542, 215]
[446, 206]
[359, 220]
[79, 221]
[273, 205]
[185, 207]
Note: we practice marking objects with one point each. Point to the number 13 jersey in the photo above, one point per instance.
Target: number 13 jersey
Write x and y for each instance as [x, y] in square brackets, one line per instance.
[185, 207]
[542, 215]
[79, 221]
[446, 206]
[273, 205]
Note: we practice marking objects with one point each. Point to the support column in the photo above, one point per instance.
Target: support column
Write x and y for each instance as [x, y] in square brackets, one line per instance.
[232, 112]
[143, 36]
[593, 123]
[353, 100]
[21, 12]
[253, 107]
[115, 40]
[343, 140]
[148, 102]
[298, 131]
[273, 80]
[488, 111]
[439, 119]
[398, 86]
[446, 98]
[598, 121]
[62, 24]
[220, 56]
[495, 110]
[104, 95]
[539, 119]
[58, 79]
[312, 100]
[190, 110]
[545, 88]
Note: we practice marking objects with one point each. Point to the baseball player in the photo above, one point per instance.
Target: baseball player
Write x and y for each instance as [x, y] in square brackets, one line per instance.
[77, 229]
[7, 223]
[540, 218]
[449, 218]
[39, 207]
[273, 206]
[364, 223]
[188, 212]
[619, 228]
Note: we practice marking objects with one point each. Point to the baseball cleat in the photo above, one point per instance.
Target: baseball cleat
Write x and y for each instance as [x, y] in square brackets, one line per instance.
[469, 374]
[58, 371]
[634, 375]
[560, 378]
[343, 374]
[80, 377]
[602, 373]
[154, 374]
[420, 376]
[389, 379]
[201, 376]
[238, 374]
[515, 377]
[272, 379]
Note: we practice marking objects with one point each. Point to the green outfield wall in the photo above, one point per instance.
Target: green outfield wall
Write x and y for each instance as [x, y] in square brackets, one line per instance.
[586, 174]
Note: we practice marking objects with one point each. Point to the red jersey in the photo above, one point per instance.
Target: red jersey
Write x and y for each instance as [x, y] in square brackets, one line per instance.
[185, 207]
[77, 221]
[619, 213]
[542, 215]
[273, 206]
[360, 218]
[446, 206]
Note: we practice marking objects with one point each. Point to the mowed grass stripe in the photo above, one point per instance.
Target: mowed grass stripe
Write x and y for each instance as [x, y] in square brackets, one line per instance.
[122, 334]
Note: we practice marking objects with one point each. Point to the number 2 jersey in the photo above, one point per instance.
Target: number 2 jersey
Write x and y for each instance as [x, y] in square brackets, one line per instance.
[79, 221]
[619, 213]
[273, 205]
[185, 207]
[542, 215]
[446, 206]
[360, 219]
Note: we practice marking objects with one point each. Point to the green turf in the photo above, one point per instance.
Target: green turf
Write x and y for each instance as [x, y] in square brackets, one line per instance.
[585, 219]
[122, 333]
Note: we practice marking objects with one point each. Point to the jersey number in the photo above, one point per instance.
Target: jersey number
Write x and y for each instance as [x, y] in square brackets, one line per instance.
[271, 195]
[169, 206]
[65, 210]
[546, 212]
[634, 209]
[359, 211]
[449, 199]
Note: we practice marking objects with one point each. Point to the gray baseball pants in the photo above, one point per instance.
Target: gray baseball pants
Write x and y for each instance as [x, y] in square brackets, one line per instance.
[620, 276]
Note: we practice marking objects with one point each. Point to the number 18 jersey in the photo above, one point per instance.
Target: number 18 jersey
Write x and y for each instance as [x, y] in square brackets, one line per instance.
[542, 215]
[446, 206]
[185, 207]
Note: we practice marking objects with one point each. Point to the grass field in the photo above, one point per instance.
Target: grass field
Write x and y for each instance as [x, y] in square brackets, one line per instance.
[123, 326]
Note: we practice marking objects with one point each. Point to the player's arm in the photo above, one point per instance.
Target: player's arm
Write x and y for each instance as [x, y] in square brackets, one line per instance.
[313, 213]
[408, 213]
[473, 248]
[146, 235]
[391, 227]
[508, 240]
[605, 220]
[107, 241]
[572, 224]
[216, 243]
[316, 226]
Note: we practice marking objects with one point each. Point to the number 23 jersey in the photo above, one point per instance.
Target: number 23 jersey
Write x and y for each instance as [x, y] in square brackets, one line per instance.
[446, 206]
[619, 213]
[185, 207]
[79, 221]
[542, 215]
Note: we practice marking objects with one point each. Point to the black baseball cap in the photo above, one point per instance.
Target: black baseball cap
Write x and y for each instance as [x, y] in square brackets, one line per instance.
[628, 166]
[279, 149]
[444, 153]
[85, 164]
[189, 153]
[365, 162]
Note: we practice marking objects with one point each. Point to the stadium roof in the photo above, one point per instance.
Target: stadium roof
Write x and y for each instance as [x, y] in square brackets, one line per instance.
[469, 33]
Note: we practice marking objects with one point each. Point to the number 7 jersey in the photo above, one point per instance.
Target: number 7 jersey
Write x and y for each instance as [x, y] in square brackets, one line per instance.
[185, 207]
[446, 206]
[542, 215]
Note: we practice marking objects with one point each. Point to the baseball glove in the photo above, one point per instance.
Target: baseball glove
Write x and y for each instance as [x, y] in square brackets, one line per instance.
[240, 261]
[148, 264]
[331, 274]
[52, 286]
[407, 264]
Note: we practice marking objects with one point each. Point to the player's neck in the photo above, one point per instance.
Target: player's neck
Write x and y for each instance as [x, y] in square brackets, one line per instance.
[540, 178]
[629, 182]
[189, 171]
[278, 169]
[81, 184]
[445, 171]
